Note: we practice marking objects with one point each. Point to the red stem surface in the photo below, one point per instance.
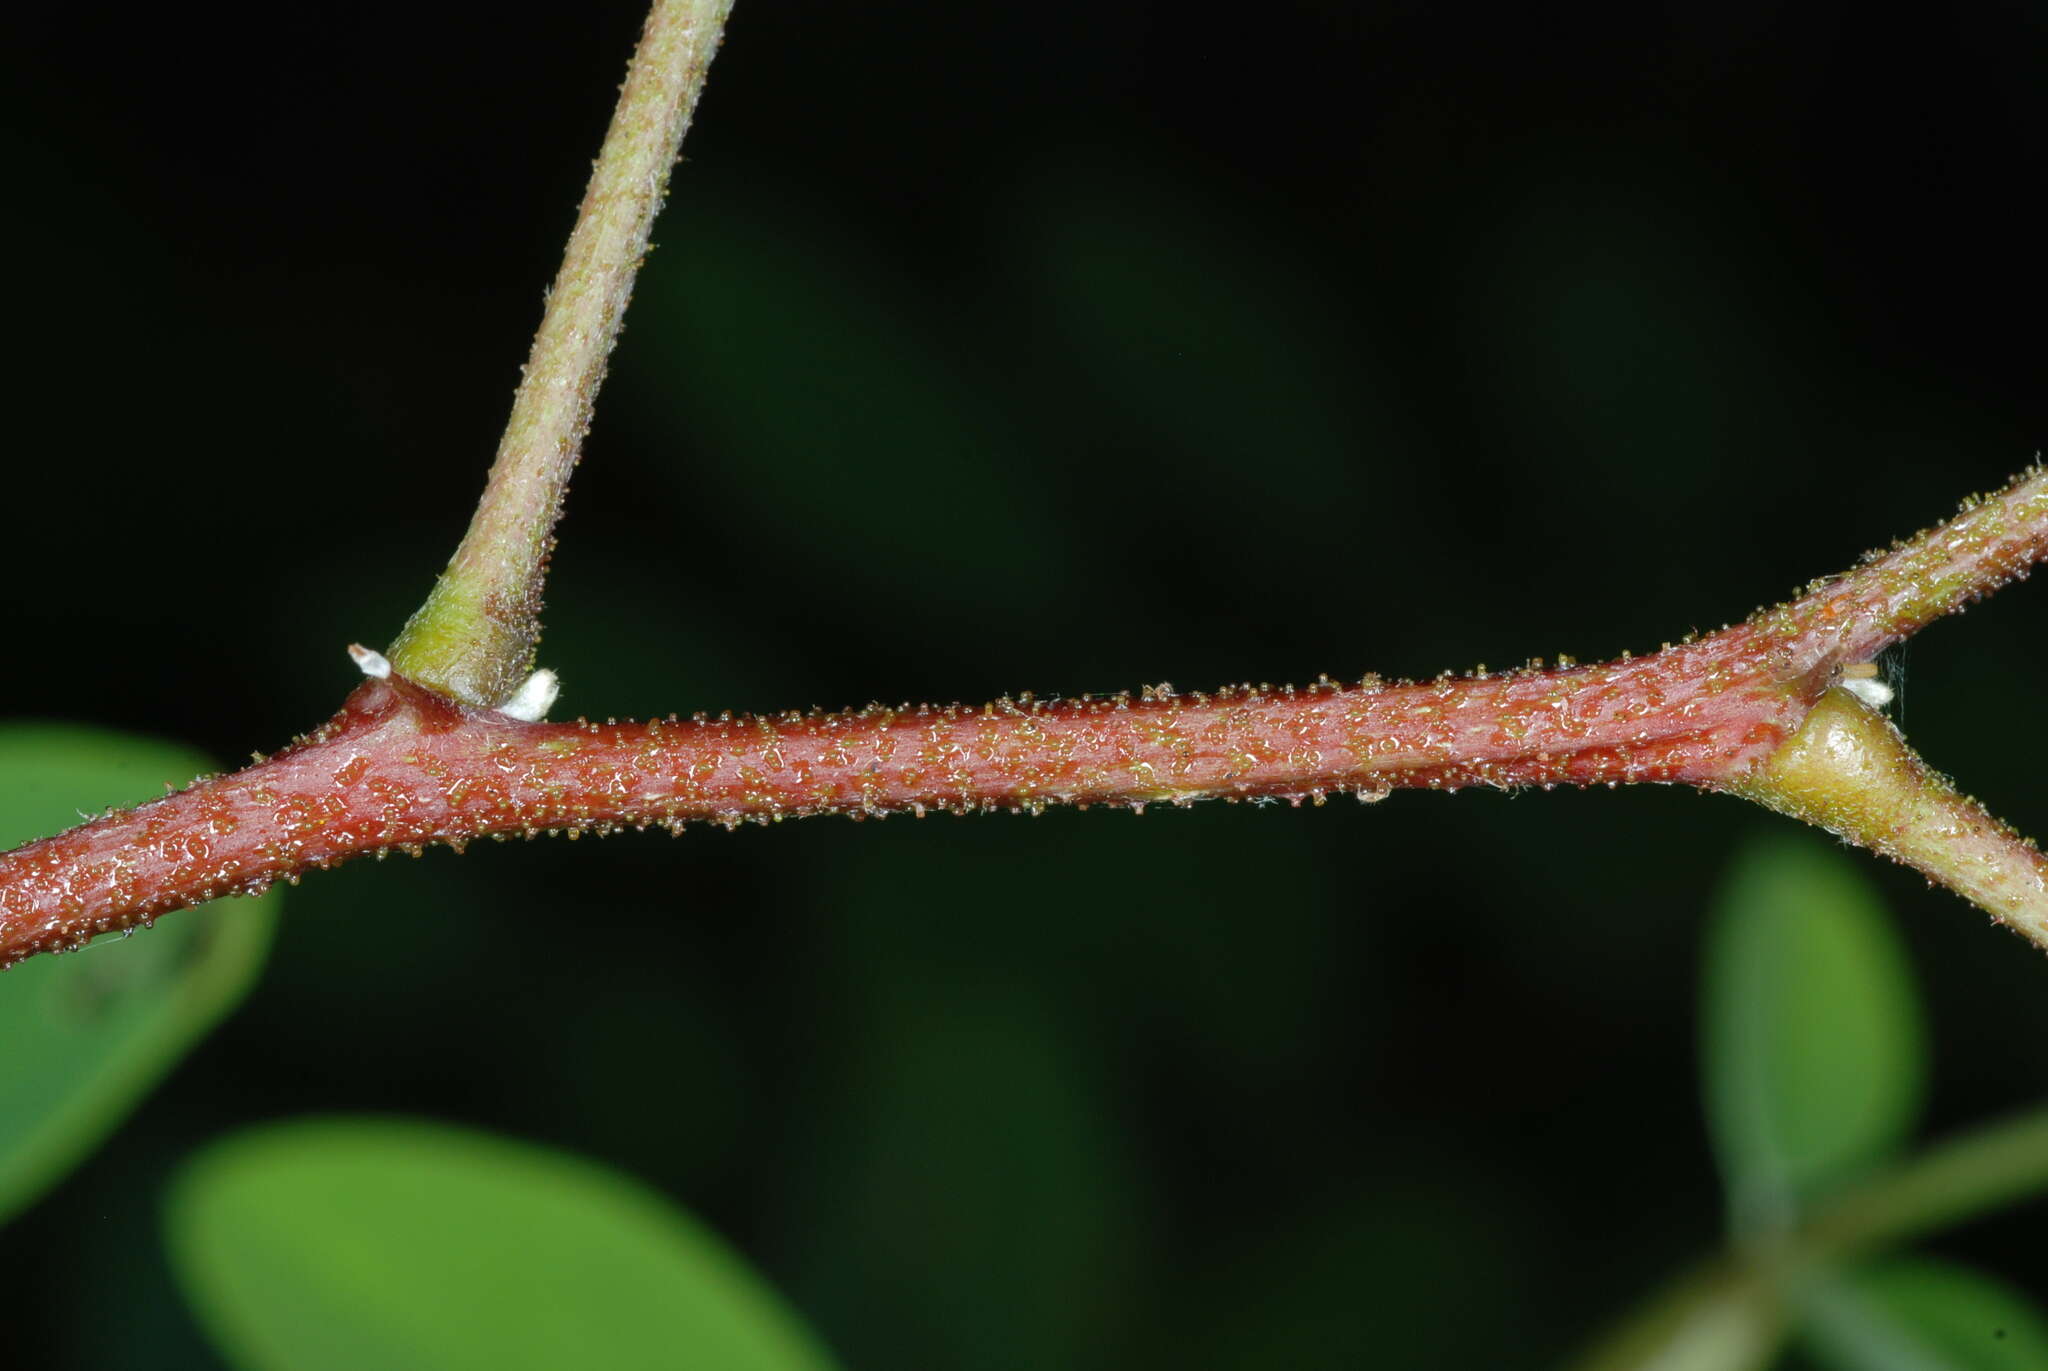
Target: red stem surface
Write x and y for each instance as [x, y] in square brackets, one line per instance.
[402, 766]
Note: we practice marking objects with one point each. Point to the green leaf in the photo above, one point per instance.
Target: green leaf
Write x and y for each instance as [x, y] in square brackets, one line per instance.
[87, 1034]
[1812, 1036]
[1921, 1315]
[352, 1243]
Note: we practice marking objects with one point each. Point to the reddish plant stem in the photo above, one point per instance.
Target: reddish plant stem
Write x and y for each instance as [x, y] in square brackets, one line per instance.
[402, 766]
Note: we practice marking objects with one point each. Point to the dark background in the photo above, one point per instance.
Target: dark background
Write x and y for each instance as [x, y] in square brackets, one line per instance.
[1011, 347]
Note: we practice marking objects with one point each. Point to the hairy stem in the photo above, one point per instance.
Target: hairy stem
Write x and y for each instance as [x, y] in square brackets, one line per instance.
[474, 638]
[1992, 540]
[1848, 770]
[1751, 709]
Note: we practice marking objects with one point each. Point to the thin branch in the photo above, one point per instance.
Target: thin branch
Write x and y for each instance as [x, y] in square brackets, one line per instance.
[1986, 1169]
[1849, 770]
[1992, 541]
[402, 766]
[474, 637]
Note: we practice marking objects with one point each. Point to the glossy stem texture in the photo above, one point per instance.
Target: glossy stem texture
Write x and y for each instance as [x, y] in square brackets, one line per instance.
[473, 640]
[402, 765]
[1849, 770]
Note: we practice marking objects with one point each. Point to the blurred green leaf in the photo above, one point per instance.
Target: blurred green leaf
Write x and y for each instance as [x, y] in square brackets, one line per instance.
[352, 1243]
[1812, 1037]
[969, 1188]
[1727, 1318]
[1916, 1314]
[1987, 1168]
[88, 1033]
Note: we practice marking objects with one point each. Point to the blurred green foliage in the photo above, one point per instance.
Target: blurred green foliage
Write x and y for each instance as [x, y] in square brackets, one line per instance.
[354, 1243]
[1918, 1314]
[1813, 1043]
[86, 1035]
[1811, 1052]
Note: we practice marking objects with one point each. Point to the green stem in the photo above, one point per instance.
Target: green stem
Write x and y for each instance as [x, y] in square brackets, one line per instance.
[1948, 1183]
[1848, 770]
[474, 637]
[1716, 1317]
